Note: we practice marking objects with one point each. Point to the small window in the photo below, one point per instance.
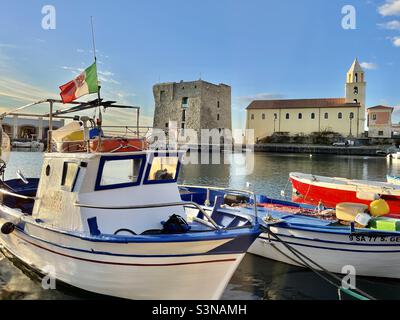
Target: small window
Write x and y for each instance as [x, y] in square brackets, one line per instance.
[166, 125]
[185, 102]
[351, 115]
[313, 115]
[217, 104]
[121, 172]
[287, 116]
[340, 115]
[218, 116]
[252, 117]
[184, 115]
[374, 116]
[162, 169]
[162, 96]
[355, 90]
[380, 133]
[300, 116]
[263, 116]
[355, 101]
[356, 77]
[326, 115]
[275, 116]
[70, 169]
[48, 170]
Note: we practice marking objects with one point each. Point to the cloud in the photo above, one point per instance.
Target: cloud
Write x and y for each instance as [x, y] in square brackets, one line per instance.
[390, 8]
[245, 100]
[391, 25]
[396, 41]
[369, 65]
[21, 91]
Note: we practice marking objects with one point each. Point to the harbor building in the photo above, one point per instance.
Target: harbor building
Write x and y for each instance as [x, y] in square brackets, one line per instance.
[28, 128]
[345, 115]
[380, 122]
[193, 105]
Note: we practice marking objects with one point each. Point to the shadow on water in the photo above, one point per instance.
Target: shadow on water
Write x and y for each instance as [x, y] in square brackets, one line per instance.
[256, 277]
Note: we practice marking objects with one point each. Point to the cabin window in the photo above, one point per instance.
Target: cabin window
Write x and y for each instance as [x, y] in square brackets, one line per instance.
[119, 172]
[70, 170]
[162, 169]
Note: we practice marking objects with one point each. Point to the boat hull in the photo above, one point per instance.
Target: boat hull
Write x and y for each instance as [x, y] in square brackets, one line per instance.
[330, 197]
[177, 277]
[371, 256]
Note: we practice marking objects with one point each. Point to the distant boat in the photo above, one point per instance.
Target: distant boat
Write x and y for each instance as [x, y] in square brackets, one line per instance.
[393, 179]
[331, 191]
[27, 144]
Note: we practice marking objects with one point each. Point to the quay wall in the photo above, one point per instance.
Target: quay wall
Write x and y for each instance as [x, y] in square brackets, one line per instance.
[320, 149]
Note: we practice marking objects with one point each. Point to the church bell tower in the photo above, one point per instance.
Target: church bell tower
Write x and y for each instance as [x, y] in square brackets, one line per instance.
[355, 93]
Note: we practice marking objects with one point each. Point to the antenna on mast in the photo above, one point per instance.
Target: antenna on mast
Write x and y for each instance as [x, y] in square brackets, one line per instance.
[93, 39]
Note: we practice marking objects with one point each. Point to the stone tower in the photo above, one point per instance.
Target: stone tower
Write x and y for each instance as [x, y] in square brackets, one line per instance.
[355, 92]
[192, 105]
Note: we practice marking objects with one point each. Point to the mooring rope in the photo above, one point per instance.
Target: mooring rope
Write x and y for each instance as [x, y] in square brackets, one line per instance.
[361, 294]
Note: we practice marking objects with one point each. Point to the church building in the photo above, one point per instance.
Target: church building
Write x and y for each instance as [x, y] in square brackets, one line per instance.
[345, 115]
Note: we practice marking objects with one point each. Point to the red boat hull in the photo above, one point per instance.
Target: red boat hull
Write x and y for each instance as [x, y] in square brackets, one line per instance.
[330, 197]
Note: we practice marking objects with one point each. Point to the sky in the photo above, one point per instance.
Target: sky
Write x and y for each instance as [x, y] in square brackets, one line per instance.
[263, 49]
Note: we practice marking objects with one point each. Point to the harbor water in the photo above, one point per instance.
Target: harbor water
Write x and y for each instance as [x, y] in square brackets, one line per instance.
[256, 277]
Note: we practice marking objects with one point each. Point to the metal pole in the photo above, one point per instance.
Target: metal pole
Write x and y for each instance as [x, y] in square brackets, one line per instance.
[49, 133]
[137, 121]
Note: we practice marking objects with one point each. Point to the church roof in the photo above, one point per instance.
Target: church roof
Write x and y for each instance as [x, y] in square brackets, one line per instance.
[355, 67]
[301, 103]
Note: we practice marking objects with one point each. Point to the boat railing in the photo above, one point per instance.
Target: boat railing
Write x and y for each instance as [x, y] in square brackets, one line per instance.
[251, 194]
[16, 195]
[156, 205]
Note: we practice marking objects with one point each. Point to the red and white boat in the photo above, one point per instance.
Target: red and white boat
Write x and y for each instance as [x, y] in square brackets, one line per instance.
[332, 190]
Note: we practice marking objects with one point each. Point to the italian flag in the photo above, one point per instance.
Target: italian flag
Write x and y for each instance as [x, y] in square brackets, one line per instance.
[85, 83]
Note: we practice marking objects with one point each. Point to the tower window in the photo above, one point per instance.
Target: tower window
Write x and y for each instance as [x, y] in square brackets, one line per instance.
[217, 104]
[162, 96]
[356, 77]
[287, 116]
[166, 125]
[355, 101]
[184, 115]
[263, 116]
[326, 116]
[355, 90]
[300, 116]
[185, 101]
[374, 116]
[351, 115]
[218, 116]
[340, 115]
[313, 115]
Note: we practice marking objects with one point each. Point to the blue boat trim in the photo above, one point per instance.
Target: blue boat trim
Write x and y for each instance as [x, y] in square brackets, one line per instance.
[132, 264]
[326, 248]
[243, 240]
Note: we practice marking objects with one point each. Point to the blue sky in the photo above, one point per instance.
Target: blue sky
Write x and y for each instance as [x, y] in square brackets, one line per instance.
[262, 48]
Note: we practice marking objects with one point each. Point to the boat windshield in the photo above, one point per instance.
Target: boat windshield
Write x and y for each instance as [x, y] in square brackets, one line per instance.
[162, 169]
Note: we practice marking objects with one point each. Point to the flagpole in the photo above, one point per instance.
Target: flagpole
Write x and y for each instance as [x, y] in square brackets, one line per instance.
[100, 119]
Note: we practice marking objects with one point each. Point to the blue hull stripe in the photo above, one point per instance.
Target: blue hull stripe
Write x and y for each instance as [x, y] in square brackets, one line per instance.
[333, 249]
[372, 244]
[129, 255]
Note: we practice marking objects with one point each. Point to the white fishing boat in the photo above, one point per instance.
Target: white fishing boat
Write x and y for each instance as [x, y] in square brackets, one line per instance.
[296, 233]
[113, 222]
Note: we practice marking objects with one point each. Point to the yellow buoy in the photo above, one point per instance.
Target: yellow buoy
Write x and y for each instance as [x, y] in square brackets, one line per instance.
[379, 208]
